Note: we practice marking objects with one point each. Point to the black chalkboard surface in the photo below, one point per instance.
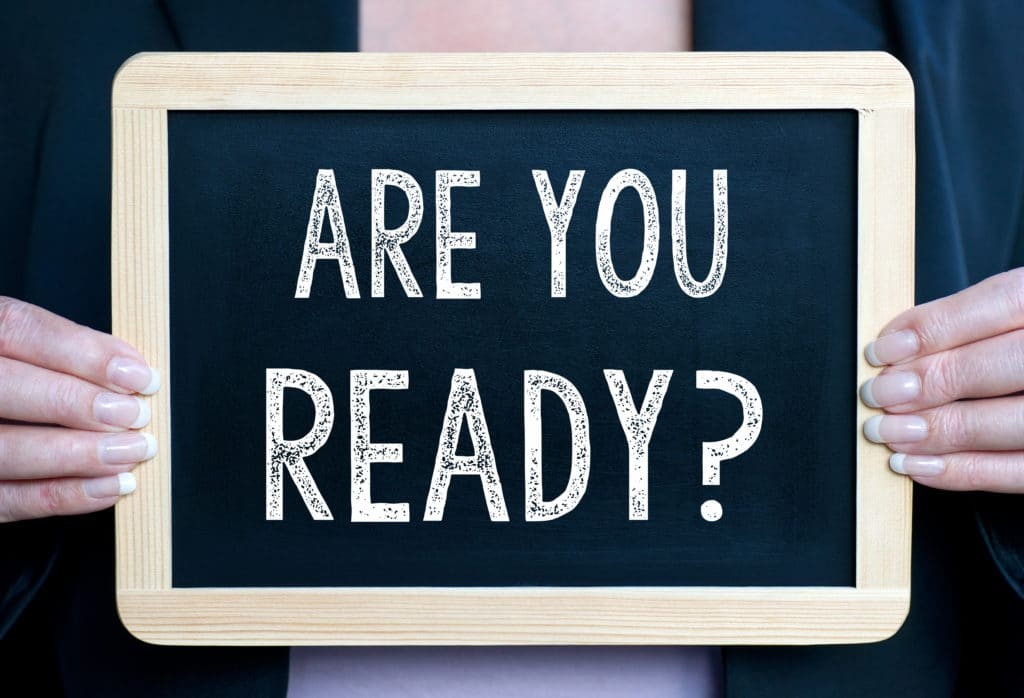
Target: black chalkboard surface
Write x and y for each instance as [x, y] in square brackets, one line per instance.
[512, 348]
[241, 188]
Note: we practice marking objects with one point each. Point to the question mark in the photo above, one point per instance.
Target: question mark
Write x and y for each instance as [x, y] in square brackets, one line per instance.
[717, 451]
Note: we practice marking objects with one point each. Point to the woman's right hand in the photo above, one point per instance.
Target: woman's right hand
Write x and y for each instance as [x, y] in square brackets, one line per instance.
[68, 413]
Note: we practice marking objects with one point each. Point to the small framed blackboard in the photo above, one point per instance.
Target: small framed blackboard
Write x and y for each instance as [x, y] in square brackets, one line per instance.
[503, 348]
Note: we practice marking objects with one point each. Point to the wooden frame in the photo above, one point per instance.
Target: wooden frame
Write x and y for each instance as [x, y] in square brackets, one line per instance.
[148, 85]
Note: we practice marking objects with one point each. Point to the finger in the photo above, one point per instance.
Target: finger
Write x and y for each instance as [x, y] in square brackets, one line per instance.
[972, 470]
[990, 368]
[967, 425]
[32, 499]
[36, 336]
[34, 394]
[34, 452]
[987, 309]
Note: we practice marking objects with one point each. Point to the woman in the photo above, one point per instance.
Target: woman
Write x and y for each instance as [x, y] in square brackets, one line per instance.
[56, 574]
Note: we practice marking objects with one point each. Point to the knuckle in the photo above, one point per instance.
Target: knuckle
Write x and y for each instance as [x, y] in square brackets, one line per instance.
[1015, 354]
[951, 427]
[7, 514]
[13, 322]
[941, 378]
[972, 472]
[54, 497]
[933, 335]
[926, 331]
[8, 505]
[75, 451]
[64, 401]
[1013, 290]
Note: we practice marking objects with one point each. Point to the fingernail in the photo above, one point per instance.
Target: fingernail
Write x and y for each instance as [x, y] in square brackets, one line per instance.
[113, 486]
[121, 410]
[895, 428]
[892, 348]
[118, 449]
[916, 465]
[890, 389]
[134, 375]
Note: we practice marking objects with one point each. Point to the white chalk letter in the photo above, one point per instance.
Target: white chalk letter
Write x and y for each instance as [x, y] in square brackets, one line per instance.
[558, 215]
[464, 404]
[448, 240]
[325, 198]
[638, 428]
[634, 179]
[284, 454]
[364, 452]
[720, 244]
[389, 241]
[537, 509]
[617, 286]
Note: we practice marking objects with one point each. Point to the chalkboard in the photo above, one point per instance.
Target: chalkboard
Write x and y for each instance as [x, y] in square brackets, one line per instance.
[457, 353]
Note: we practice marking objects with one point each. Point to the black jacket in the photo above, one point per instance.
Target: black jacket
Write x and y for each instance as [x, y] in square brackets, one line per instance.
[965, 631]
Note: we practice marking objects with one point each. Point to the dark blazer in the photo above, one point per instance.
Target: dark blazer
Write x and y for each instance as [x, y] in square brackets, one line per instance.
[965, 631]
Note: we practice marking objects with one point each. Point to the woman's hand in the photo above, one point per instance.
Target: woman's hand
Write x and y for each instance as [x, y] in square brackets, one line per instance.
[67, 415]
[954, 370]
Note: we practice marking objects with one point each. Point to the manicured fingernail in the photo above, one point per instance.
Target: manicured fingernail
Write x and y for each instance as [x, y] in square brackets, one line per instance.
[121, 410]
[119, 449]
[890, 389]
[892, 348]
[916, 465]
[134, 375]
[895, 428]
[113, 486]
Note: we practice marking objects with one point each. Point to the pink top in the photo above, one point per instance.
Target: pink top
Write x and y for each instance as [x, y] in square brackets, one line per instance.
[504, 672]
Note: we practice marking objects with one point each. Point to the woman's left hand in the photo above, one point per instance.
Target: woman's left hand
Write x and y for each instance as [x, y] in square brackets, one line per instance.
[951, 389]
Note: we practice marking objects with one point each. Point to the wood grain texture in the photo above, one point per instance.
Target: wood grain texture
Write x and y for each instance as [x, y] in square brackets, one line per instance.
[853, 80]
[512, 616]
[148, 85]
[885, 288]
[139, 308]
